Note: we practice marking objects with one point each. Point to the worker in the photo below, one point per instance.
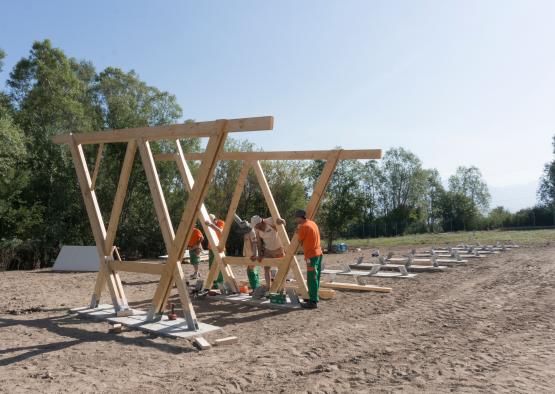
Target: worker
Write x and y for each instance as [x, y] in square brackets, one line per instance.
[195, 248]
[309, 237]
[218, 226]
[250, 249]
[269, 244]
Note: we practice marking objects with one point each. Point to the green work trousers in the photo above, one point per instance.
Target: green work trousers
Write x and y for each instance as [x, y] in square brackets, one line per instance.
[254, 278]
[313, 271]
[220, 278]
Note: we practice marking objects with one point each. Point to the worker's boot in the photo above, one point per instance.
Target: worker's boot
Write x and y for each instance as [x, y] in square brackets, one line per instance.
[309, 304]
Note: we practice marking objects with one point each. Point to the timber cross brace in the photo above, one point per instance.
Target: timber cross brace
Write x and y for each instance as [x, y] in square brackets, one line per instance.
[170, 271]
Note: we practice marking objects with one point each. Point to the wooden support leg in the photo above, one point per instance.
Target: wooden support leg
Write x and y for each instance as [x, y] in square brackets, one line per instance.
[311, 209]
[183, 233]
[96, 222]
[213, 239]
[214, 270]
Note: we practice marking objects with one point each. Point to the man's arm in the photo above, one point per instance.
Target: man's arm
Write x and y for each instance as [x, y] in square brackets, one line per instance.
[213, 226]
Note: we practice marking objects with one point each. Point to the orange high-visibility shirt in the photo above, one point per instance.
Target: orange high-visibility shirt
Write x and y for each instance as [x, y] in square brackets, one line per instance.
[309, 234]
[196, 237]
[220, 224]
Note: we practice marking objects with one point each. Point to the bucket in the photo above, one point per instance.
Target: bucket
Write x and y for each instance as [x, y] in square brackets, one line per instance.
[244, 289]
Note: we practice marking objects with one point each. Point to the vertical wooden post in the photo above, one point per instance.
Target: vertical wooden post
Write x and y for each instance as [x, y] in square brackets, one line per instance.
[183, 233]
[303, 290]
[157, 193]
[311, 209]
[213, 272]
[97, 165]
[213, 239]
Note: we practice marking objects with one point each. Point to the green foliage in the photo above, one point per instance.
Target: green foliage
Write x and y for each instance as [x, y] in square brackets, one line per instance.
[459, 212]
[469, 182]
[498, 217]
[41, 206]
[546, 192]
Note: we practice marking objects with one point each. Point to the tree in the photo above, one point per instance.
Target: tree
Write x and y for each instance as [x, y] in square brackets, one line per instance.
[402, 186]
[123, 100]
[50, 99]
[433, 196]
[498, 217]
[469, 182]
[546, 192]
[459, 212]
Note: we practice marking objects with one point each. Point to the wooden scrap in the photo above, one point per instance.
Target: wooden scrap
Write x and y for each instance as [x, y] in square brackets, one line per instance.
[225, 341]
[201, 343]
[115, 328]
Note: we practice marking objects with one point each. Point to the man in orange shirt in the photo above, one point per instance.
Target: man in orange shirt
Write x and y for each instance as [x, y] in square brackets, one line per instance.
[309, 236]
[218, 226]
[195, 247]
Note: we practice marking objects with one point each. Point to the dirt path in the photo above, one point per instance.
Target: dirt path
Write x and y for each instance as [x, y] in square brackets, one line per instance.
[483, 327]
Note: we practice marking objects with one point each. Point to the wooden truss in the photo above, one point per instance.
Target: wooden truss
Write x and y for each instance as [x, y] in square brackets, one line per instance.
[170, 271]
[252, 160]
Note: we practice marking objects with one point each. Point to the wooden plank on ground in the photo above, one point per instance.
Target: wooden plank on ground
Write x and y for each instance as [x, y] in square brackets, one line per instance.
[353, 286]
[225, 341]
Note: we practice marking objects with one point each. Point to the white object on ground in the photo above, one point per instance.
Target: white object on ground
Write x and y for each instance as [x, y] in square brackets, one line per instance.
[77, 258]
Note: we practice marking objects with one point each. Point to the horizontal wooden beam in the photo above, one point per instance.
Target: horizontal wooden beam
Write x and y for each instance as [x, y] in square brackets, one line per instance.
[173, 131]
[282, 155]
[246, 261]
[143, 267]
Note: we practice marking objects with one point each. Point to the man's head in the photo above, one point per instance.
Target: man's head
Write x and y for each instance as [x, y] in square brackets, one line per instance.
[256, 221]
[300, 216]
[212, 217]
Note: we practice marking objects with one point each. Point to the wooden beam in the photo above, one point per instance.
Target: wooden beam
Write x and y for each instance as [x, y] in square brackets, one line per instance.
[157, 194]
[121, 191]
[97, 166]
[353, 286]
[174, 131]
[184, 230]
[97, 227]
[361, 154]
[246, 261]
[213, 238]
[235, 198]
[311, 209]
[143, 267]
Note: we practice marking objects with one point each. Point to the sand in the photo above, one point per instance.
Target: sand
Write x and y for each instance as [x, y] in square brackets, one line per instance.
[488, 326]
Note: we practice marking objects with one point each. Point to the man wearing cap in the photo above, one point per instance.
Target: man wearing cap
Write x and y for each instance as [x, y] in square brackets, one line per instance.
[250, 249]
[218, 226]
[269, 244]
[309, 237]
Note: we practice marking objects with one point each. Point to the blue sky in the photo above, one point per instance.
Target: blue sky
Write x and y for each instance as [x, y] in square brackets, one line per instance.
[456, 82]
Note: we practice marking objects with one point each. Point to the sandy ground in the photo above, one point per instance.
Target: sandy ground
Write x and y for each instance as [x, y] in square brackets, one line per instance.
[487, 326]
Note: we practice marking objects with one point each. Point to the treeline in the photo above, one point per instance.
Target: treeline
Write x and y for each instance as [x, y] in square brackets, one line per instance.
[41, 208]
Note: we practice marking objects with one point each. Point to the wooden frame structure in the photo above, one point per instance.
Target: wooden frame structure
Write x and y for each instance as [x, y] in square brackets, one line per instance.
[170, 271]
[139, 138]
[252, 160]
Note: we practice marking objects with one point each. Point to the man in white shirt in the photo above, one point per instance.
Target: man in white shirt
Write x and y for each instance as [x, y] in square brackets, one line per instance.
[269, 244]
[250, 249]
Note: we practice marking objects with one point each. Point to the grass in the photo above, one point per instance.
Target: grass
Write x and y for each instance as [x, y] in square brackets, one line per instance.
[525, 237]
